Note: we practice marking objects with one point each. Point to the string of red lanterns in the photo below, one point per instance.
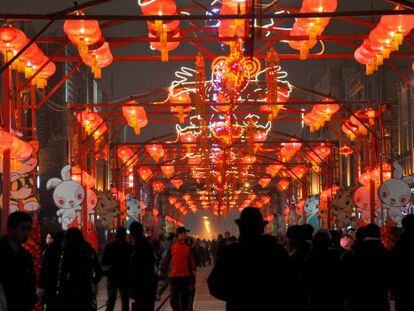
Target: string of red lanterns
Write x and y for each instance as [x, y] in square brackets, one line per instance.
[384, 39]
[12, 40]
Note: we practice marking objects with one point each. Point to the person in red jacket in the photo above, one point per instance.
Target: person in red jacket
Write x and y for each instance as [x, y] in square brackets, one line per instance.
[181, 267]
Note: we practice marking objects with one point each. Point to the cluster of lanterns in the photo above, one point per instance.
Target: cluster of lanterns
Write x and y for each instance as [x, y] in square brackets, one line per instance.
[375, 175]
[12, 40]
[385, 38]
[135, 116]
[311, 27]
[319, 115]
[357, 124]
[92, 122]
[160, 30]
[19, 149]
[177, 204]
[87, 36]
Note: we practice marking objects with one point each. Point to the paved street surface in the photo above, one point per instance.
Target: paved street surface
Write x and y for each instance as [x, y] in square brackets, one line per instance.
[203, 301]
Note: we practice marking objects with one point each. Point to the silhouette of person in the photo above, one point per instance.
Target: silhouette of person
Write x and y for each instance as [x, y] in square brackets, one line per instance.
[300, 242]
[49, 272]
[403, 253]
[17, 274]
[79, 273]
[252, 274]
[371, 262]
[115, 261]
[322, 264]
[142, 270]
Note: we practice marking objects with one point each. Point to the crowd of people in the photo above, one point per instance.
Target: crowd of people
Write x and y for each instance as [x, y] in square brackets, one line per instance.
[304, 271]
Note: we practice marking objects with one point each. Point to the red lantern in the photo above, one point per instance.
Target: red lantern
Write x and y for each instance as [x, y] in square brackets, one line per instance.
[158, 186]
[82, 33]
[136, 116]
[248, 159]
[98, 59]
[125, 154]
[11, 41]
[264, 182]
[346, 151]
[177, 183]
[158, 7]
[273, 169]
[182, 110]
[155, 151]
[283, 184]
[145, 173]
[167, 170]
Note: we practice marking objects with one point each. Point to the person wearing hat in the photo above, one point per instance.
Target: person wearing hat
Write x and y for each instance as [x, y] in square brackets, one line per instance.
[181, 266]
[254, 273]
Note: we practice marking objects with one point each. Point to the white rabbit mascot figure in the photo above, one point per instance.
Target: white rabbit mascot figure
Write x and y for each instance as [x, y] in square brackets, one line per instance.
[395, 194]
[68, 196]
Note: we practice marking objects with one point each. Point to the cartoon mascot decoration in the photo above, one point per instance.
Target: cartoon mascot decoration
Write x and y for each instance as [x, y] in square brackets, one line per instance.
[22, 196]
[395, 194]
[68, 196]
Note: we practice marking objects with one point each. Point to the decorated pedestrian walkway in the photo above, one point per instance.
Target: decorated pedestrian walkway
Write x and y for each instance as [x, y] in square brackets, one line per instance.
[203, 300]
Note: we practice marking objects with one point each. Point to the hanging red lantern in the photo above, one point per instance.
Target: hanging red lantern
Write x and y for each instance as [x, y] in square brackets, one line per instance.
[189, 140]
[82, 33]
[346, 150]
[264, 182]
[183, 105]
[158, 186]
[98, 58]
[167, 170]
[145, 173]
[12, 40]
[273, 169]
[156, 151]
[135, 115]
[249, 160]
[283, 184]
[177, 183]
[125, 154]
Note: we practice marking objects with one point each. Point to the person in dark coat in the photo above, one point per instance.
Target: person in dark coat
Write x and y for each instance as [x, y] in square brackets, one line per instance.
[322, 264]
[49, 272]
[115, 262]
[17, 274]
[371, 263]
[142, 270]
[254, 273]
[403, 256]
[300, 242]
[79, 274]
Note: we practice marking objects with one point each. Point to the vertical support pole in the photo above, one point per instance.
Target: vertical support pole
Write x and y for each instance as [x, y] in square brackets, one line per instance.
[372, 168]
[6, 153]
